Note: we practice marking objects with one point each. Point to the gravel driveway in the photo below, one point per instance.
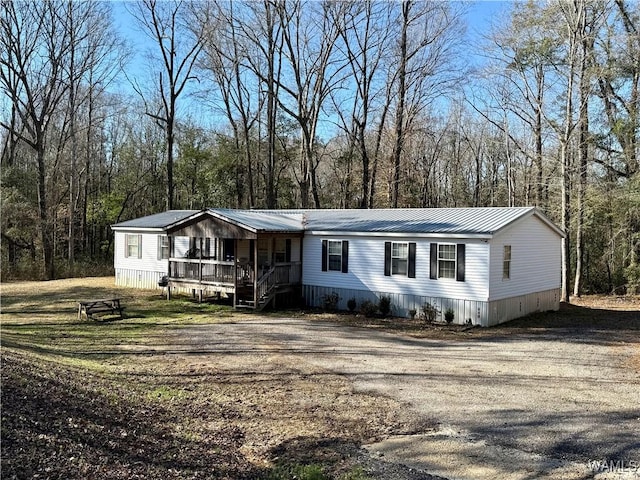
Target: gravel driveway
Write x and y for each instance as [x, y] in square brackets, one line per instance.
[525, 406]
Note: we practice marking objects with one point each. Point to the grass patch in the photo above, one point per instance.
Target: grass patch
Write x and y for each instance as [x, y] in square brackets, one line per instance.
[140, 398]
[42, 318]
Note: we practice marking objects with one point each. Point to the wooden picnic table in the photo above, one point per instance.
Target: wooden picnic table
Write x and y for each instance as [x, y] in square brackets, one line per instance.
[105, 305]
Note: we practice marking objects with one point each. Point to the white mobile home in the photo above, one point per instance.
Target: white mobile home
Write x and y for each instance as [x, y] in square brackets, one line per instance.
[141, 253]
[487, 265]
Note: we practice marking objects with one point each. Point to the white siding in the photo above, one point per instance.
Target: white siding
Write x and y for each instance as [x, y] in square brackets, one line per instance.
[143, 272]
[535, 259]
[366, 268]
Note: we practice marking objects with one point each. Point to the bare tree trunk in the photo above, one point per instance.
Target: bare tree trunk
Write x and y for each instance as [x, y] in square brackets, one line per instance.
[161, 20]
[402, 92]
[584, 155]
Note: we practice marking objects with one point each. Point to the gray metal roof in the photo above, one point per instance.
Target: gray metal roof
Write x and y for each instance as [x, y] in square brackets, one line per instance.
[158, 220]
[481, 221]
[262, 220]
[472, 221]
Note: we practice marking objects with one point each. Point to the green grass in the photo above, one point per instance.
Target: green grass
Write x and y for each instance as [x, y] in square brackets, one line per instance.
[42, 318]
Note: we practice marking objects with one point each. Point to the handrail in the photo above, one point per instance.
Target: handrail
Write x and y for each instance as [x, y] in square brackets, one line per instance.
[208, 261]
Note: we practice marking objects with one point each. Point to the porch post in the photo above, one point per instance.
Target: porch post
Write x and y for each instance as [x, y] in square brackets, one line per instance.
[200, 261]
[169, 267]
[255, 273]
[235, 272]
[200, 270]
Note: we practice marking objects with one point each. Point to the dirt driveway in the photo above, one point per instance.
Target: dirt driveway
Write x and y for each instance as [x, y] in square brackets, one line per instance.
[531, 405]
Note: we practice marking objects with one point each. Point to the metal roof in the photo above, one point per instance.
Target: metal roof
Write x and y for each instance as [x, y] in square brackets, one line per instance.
[156, 221]
[459, 221]
[470, 221]
[262, 220]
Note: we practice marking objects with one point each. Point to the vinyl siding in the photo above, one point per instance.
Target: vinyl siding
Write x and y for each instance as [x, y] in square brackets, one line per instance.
[366, 268]
[535, 259]
[143, 272]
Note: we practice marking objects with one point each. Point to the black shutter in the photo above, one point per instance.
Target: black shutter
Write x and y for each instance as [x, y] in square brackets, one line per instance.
[287, 250]
[345, 256]
[324, 255]
[411, 268]
[433, 262]
[387, 258]
[460, 258]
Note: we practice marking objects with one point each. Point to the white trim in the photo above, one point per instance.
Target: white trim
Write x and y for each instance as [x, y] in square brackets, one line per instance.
[455, 260]
[482, 236]
[139, 229]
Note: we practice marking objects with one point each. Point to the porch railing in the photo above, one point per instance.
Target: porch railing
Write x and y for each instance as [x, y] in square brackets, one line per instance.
[280, 274]
[222, 272]
[205, 270]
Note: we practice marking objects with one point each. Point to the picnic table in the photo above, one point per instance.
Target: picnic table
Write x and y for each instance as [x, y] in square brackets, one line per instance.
[105, 305]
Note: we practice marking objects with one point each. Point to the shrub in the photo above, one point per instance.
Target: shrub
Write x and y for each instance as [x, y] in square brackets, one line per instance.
[429, 312]
[330, 302]
[448, 315]
[368, 308]
[351, 304]
[412, 313]
[384, 305]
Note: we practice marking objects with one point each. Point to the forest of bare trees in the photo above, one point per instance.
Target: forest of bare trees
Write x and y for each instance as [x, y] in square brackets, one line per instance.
[317, 104]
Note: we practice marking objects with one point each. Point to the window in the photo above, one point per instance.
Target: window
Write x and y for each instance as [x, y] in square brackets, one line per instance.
[283, 250]
[163, 247]
[133, 246]
[400, 259]
[447, 260]
[335, 256]
[263, 252]
[506, 262]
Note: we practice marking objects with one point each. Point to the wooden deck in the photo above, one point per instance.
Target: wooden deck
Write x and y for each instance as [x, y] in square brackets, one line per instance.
[238, 279]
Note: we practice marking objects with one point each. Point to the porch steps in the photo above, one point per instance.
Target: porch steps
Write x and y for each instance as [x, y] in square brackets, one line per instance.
[265, 300]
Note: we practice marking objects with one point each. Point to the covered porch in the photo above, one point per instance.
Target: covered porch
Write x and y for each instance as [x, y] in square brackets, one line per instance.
[226, 257]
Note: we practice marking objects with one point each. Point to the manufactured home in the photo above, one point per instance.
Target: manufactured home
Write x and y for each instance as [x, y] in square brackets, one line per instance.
[486, 265]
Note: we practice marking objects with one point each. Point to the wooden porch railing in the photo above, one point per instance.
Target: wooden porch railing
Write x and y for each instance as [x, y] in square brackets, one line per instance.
[219, 271]
[205, 270]
[280, 274]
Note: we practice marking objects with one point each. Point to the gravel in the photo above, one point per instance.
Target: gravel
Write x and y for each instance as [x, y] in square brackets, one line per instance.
[534, 404]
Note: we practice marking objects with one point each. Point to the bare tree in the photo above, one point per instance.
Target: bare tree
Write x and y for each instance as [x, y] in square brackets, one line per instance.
[309, 42]
[179, 48]
[33, 52]
[427, 37]
[364, 42]
[224, 57]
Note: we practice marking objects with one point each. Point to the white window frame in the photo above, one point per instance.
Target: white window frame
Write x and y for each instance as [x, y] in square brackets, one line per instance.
[335, 243]
[164, 247]
[506, 262]
[133, 241]
[396, 259]
[441, 259]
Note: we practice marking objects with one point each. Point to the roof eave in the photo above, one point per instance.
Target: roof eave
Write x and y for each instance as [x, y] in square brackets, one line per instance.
[137, 229]
[477, 235]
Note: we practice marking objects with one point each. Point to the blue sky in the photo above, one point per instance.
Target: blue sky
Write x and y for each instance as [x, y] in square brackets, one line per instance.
[480, 16]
